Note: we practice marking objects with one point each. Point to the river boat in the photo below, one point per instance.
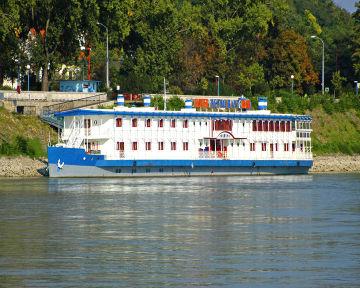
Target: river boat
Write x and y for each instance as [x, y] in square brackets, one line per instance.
[227, 139]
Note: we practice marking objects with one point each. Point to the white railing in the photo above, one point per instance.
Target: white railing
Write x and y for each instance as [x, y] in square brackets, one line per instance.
[213, 155]
[75, 137]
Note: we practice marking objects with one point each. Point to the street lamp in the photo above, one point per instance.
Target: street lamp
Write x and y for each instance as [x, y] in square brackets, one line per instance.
[107, 55]
[356, 87]
[292, 84]
[28, 74]
[218, 84]
[323, 63]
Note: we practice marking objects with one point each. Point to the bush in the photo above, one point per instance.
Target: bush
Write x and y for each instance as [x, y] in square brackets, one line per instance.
[22, 146]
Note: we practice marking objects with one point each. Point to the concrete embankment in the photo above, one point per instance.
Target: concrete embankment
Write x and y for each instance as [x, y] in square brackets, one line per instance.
[27, 167]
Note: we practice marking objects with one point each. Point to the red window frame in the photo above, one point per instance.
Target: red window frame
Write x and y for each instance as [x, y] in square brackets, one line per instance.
[148, 123]
[173, 146]
[120, 146]
[271, 126]
[252, 146]
[186, 146]
[160, 146]
[134, 122]
[263, 146]
[186, 123]
[134, 146]
[161, 123]
[147, 146]
[118, 122]
[173, 123]
[254, 125]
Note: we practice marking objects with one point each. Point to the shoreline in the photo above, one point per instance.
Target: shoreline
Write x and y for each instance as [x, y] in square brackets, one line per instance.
[21, 166]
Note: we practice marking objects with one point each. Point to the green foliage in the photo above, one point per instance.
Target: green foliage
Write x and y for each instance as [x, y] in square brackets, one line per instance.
[175, 103]
[23, 146]
[157, 102]
[337, 81]
[251, 45]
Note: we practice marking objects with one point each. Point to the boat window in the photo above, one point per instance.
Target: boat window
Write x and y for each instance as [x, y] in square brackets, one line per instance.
[134, 122]
[118, 122]
[134, 146]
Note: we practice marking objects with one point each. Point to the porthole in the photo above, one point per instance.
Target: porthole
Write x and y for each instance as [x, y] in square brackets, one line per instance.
[95, 122]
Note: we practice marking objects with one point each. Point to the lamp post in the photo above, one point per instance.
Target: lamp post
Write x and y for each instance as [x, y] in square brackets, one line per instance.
[107, 55]
[356, 87]
[292, 84]
[218, 84]
[18, 86]
[323, 63]
[28, 74]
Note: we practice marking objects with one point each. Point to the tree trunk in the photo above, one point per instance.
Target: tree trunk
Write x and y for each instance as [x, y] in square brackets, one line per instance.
[45, 79]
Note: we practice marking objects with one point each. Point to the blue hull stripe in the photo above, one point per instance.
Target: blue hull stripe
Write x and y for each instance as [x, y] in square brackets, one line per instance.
[74, 156]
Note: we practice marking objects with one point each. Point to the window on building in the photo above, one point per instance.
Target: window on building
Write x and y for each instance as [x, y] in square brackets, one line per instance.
[263, 146]
[161, 123]
[173, 146]
[118, 122]
[148, 146]
[266, 126]
[185, 146]
[271, 147]
[286, 147]
[293, 146]
[271, 126]
[120, 146]
[260, 126]
[186, 123]
[134, 146]
[277, 126]
[148, 123]
[288, 126]
[254, 126]
[282, 126]
[223, 125]
[173, 123]
[276, 147]
[134, 122]
[161, 146]
[252, 146]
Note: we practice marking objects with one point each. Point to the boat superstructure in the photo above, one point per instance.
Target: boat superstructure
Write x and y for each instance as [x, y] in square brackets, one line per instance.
[147, 142]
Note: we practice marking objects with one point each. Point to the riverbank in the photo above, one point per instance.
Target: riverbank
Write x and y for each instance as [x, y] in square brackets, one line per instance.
[27, 167]
[21, 167]
[336, 164]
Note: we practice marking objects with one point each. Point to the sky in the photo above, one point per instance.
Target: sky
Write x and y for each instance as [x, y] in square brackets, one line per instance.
[347, 4]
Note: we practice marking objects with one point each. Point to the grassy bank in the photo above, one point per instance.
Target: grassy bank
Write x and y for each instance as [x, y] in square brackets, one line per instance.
[336, 133]
[23, 135]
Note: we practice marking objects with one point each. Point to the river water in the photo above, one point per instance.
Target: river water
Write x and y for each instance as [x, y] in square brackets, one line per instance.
[274, 231]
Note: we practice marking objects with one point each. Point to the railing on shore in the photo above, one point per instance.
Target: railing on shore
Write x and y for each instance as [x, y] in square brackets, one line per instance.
[48, 112]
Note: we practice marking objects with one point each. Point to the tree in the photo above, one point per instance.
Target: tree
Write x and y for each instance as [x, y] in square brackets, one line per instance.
[175, 103]
[9, 42]
[250, 76]
[289, 56]
[337, 81]
[54, 31]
